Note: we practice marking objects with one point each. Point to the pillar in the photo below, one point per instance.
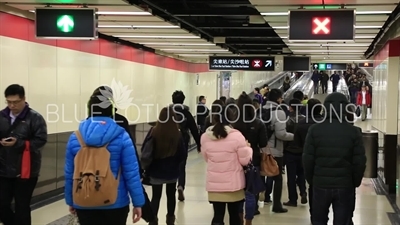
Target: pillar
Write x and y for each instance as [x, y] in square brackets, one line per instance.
[385, 108]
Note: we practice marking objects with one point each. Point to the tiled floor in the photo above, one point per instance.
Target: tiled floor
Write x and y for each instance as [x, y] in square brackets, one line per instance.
[371, 209]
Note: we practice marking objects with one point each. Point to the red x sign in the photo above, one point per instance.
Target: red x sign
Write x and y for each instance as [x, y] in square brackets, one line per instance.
[321, 25]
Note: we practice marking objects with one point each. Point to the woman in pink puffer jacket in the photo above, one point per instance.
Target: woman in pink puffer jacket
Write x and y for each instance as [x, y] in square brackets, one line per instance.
[226, 152]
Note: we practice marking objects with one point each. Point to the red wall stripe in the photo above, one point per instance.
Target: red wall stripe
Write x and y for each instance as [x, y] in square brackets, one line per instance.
[391, 49]
[21, 28]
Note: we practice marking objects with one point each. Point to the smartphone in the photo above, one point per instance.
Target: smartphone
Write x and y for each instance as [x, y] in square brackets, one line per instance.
[8, 139]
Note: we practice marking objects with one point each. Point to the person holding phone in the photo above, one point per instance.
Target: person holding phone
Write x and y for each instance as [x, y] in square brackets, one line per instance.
[23, 133]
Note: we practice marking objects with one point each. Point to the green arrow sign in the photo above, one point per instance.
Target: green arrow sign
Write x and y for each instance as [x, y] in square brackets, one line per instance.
[65, 23]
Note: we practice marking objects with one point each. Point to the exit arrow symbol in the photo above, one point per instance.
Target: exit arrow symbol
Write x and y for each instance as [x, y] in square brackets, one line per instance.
[268, 63]
[65, 23]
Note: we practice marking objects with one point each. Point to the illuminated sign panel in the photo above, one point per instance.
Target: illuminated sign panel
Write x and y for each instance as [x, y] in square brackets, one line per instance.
[329, 66]
[66, 23]
[321, 25]
[261, 63]
[366, 64]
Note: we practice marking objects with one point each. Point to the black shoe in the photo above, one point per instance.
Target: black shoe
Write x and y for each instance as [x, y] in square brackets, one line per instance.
[304, 199]
[281, 210]
[181, 196]
[291, 204]
[257, 212]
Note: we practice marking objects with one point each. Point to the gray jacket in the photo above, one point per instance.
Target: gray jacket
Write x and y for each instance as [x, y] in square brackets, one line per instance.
[278, 123]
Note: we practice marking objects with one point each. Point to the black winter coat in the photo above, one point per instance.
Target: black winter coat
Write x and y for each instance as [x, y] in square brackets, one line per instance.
[31, 127]
[334, 154]
[291, 125]
[256, 134]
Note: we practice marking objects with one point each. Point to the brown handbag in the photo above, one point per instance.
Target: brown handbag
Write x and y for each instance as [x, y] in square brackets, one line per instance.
[269, 166]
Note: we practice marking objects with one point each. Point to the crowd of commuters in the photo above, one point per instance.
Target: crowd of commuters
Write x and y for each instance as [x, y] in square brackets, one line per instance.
[294, 143]
[104, 174]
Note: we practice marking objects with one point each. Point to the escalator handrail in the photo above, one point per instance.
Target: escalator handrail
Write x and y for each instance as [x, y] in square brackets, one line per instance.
[299, 85]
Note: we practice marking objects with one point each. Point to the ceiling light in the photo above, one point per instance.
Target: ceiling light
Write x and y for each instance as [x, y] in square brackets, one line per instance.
[357, 13]
[280, 27]
[356, 37]
[368, 27]
[118, 13]
[372, 12]
[195, 50]
[156, 36]
[177, 44]
[328, 51]
[328, 45]
[357, 27]
[137, 26]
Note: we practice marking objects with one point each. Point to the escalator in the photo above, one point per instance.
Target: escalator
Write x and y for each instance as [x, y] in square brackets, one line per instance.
[302, 84]
[275, 82]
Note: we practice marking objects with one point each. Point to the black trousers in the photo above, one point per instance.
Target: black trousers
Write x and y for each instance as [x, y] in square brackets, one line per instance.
[21, 191]
[342, 201]
[182, 170]
[295, 176]
[219, 213]
[324, 87]
[103, 216]
[171, 199]
[278, 185]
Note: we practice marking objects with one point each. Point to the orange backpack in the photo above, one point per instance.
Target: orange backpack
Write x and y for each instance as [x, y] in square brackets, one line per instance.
[94, 184]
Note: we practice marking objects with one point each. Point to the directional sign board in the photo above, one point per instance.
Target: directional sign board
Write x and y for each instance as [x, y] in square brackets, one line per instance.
[329, 66]
[253, 63]
[69, 23]
[321, 25]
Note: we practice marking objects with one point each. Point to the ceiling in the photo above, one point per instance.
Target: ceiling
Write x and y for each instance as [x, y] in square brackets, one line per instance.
[370, 17]
[189, 28]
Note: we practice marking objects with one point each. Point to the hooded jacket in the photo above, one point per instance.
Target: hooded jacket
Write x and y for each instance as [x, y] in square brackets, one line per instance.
[280, 135]
[225, 160]
[98, 131]
[334, 154]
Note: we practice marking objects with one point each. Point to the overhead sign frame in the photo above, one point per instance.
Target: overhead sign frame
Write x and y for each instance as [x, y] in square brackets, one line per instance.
[321, 39]
[93, 35]
[244, 63]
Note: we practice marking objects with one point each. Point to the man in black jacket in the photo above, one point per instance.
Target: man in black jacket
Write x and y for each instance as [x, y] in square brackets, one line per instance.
[21, 129]
[202, 113]
[186, 123]
[334, 162]
[293, 153]
[314, 108]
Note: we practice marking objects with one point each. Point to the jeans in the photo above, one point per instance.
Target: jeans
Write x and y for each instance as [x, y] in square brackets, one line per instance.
[182, 170]
[316, 87]
[324, 87]
[342, 201]
[250, 205]
[353, 96]
[295, 176]
[156, 198]
[334, 87]
[103, 216]
[219, 213]
[21, 191]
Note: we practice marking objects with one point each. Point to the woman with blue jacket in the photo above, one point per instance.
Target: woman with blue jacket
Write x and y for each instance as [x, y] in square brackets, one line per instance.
[97, 131]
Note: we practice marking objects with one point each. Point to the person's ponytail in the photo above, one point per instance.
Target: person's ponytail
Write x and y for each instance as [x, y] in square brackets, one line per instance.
[219, 128]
